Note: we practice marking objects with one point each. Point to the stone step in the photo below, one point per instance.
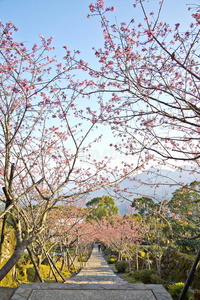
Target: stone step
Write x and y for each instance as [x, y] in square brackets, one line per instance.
[96, 281]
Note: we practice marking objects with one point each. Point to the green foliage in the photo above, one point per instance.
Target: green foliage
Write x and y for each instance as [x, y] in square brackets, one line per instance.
[30, 273]
[106, 251]
[196, 295]
[129, 277]
[72, 269]
[121, 266]
[9, 281]
[137, 217]
[155, 279]
[175, 265]
[187, 245]
[22, 269]
[45, 261]
[186, 201]
[112, 260]
[44, 270]
[181, 227]
[144, 275]
[102, 207]
[176, 289]
[143, 205]
[82, 259]
[24, 259]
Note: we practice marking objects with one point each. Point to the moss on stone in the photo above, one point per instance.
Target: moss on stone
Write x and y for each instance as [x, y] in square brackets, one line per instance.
[175, 266]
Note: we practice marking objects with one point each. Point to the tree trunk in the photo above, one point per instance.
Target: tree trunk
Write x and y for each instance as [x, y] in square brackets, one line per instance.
[67, 260]
[14, 258]
[54, 265]
[37, 268]
[137, 263]
[72, 260]
[37, 279]
[149, 265]
[64, 262]
[51, 266]
[120, 256]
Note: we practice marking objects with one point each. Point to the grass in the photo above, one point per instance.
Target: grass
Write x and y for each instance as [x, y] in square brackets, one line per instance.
[129, 278]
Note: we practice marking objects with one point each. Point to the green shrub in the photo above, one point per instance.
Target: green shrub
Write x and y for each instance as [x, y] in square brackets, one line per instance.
[121, 266]
[106, 251]
[24, 259]
[131, 273]
[112, 260]
[45, 261]
[21, 267]
[176, 289]
[82, 259]
[66, 274]
[196, 295]
[44, 270]
[144, 275]
[72, 269]
[21, 273]
[30, 273]
[154, 278]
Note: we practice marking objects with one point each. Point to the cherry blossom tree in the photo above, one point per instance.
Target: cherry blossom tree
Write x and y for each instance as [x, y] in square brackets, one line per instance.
[62, 230]
[120, 232]
[151, 72]
[46, 139]
[20, 114]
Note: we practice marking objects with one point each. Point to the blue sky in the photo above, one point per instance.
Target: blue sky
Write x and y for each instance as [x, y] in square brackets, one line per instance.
[67, 22]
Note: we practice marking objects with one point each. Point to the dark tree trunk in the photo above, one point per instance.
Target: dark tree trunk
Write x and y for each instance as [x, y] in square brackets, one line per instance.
[38, 275]
[67, 260]
[14, 258]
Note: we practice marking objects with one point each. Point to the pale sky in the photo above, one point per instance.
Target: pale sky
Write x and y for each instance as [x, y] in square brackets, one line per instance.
[67, 22]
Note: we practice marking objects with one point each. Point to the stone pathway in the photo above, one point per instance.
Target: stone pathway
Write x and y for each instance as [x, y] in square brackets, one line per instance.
[95, 282]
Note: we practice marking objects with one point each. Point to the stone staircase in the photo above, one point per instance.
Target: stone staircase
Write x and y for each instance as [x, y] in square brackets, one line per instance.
[96, 281]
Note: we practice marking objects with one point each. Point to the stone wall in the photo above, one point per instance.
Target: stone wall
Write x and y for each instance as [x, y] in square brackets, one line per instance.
[175, 266]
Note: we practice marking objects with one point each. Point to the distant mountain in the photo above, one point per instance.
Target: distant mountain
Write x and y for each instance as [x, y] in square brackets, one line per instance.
[158, 184]
[153, 182]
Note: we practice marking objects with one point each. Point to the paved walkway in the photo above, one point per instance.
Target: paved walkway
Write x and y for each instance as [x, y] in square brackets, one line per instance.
[95, 282]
